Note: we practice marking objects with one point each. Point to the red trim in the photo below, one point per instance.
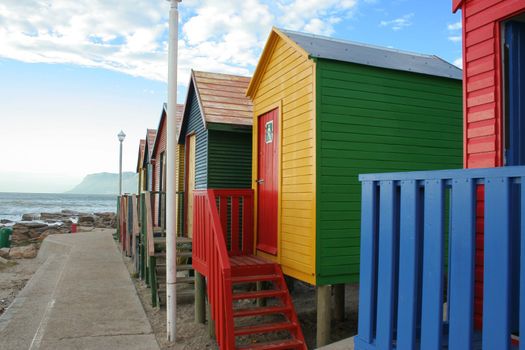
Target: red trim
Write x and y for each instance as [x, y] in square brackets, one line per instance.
[456, 4]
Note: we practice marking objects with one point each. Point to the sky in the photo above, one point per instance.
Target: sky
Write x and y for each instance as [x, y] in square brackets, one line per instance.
[74, 73]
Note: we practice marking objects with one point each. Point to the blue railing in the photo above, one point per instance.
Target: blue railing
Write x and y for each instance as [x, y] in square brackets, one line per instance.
[417, 291]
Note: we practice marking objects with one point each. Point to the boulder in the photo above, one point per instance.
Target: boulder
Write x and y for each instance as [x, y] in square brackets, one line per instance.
[23, 231]
[30, 217]
[51, 216]
[28, 251]
[4, 253]
[86, 220]
[105, 220]
[5, 221]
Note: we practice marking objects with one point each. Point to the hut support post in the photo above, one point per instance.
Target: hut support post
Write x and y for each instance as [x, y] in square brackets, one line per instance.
[200, 298]
[211, 322]
[324, 297]
[339, 302]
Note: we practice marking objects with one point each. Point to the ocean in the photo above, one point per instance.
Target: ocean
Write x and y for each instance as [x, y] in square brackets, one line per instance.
[14, 205]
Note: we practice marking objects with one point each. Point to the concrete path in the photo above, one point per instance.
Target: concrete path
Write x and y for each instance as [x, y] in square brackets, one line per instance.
[81, 297]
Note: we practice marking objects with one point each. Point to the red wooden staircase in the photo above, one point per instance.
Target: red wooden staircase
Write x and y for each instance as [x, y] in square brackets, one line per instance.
[223, 252]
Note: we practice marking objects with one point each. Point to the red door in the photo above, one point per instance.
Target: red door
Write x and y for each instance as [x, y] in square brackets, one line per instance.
[267, 183]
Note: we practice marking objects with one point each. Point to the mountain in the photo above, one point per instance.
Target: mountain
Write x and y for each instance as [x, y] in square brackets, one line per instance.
[106, 183]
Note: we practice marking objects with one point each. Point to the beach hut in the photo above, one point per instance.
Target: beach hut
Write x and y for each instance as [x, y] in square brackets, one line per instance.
[494, 75]
[215, 137]
[411, 296]
[159, 166]
[326, 110]
[140, 169]
[147, 162]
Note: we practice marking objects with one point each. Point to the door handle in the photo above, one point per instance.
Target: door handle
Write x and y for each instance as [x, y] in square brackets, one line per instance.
[260, 181]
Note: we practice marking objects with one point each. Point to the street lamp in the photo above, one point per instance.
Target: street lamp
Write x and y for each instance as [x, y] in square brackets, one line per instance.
[121, 137]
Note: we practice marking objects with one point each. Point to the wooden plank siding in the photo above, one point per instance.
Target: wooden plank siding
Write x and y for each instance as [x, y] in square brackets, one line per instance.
[287, 83]
[372, 120]
[195, 124]
[179, 184]
[483, 117]
[229, 159]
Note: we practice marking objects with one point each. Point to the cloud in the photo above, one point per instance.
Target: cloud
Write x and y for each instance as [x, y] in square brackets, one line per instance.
[131, 37]
[458, 62]
[454, 26]
[398, 23]
[455, 32]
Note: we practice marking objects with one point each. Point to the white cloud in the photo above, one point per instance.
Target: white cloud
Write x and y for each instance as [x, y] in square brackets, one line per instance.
[398, 23]
[454, 26]
[454, 32]
[130, 37]
[458, 62]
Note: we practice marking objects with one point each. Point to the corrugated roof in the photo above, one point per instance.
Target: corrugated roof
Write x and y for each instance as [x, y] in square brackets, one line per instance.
[142, 146]
[341, 50]
[222, 98]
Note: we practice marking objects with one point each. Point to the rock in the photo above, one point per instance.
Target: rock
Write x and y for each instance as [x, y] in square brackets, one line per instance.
[105, 220]
[51, 216]
[70, 213]
[5, 221]
[3, 261]
[23, 231]
[4, 252]
[86, 220]
[27, 252]
[30, 217]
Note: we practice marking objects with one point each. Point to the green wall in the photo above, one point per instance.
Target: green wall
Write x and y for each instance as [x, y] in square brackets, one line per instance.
[372, 120]
[229, 159]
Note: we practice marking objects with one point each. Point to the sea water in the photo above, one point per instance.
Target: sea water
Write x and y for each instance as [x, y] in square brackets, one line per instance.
[14, 205]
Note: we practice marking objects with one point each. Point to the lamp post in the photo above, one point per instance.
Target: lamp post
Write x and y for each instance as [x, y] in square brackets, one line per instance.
[171, 160]
[121, 137]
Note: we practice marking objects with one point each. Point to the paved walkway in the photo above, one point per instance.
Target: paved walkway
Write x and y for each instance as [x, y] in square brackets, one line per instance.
[81, 297]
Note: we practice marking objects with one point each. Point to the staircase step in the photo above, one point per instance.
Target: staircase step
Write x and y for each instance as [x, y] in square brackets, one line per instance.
[184, 267]
[264, 328]
[252, 279]
[275, 345]
[185, 279]
[185, 254]
[259, 311]
[259, 294]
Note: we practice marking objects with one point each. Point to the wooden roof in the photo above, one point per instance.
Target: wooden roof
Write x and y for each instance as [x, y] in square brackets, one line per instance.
[142, 146]
[222, 98]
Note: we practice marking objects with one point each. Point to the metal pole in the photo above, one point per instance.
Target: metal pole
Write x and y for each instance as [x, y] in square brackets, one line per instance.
[171, 161]
[120, 172]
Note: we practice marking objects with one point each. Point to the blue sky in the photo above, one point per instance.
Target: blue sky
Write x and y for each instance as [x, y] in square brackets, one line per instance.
[73, 73]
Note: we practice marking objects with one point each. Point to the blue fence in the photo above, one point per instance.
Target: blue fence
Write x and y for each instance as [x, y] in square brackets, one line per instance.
[411, 296]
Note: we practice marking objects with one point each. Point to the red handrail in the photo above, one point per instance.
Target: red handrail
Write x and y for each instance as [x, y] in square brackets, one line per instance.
[212, 259]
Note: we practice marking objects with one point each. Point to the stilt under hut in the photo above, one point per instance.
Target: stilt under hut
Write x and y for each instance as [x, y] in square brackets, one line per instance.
[413, 296]
[326, 110]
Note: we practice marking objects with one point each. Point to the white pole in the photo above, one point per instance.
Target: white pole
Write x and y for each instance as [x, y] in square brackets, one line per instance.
[171, 161]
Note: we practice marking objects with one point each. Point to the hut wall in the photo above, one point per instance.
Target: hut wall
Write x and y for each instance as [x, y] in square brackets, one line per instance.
[229, 159]
[372, 120]
[288, 83]
[195, 125]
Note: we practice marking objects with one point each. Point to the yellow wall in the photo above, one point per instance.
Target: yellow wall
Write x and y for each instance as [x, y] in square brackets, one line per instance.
[286, 80]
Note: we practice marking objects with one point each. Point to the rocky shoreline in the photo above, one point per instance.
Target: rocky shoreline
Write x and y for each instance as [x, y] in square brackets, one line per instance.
[33, 228]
